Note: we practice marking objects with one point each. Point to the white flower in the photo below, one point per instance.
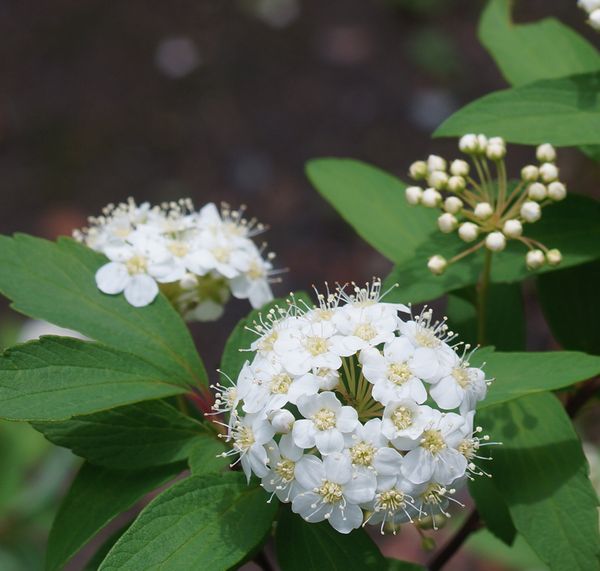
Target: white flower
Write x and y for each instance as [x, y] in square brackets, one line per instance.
[404, 421]
[366, 326]
[453, 204]
[436, 163]
[431, 198]
[546, 153]
[530, 173]
[459, 168]
[548, 172]
[483, 210]
[418, 170]
[281, 478]
[594, 20]
[554, 257]
[324, 424]
[250, 434]
[393, 503]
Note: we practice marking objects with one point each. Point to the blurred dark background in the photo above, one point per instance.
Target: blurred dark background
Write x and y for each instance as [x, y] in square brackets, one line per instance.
[226, 100]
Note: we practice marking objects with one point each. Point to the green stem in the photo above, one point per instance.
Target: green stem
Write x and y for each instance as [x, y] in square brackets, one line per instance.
[482, 293]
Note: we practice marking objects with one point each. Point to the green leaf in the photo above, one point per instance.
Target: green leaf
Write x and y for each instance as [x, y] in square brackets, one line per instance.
[563, 111]
[303, 546]
[204, 522]
[55, 282]
[538, 50]
[397, 565]
[130, 437]
[95, 498]
[56, 378]
[205, 457]
[569, 301]
[542, 474]
[520, 374]
[373, 203]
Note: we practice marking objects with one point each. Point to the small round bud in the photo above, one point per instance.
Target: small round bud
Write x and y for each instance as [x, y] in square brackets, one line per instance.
[418, 170]
[468, 144]
[456, 184]
[447, 223]
[483, 210]
[530, 173]
[436, 163]
[482, 142]
[188, 281]
[495, 241]
[459, 168]
[282, 421]
[548, 172]
[495, 151]
[545, 153]
[594, 19]
[535, 259]
[453, 204]
[413, 194]
[512, 228]
[468, 231]
[437, 264]
[437, 179]
[537, 191]
[431, 198]
[531, 211]
[557, 190]
[497, 141]
[554, 257]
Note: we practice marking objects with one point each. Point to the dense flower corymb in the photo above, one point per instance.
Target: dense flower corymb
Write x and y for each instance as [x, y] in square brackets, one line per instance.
[195, 257]
[355, 411]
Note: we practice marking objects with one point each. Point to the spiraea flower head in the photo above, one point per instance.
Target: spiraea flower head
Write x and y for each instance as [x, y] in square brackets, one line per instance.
[477, 201]
[196, 258]
[355, 410]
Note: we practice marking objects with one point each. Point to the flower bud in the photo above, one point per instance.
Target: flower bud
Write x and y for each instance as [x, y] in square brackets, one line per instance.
[548, 172]
[535, 259]
[456, 184]
[436, 163]
[468, 144]
[437, 179]
[530, 173]
[537, 191]
[413, 194]
[418, 170]
[512, 228]
[188, 281]
[483, 210]
[495, 241]
[531, 211]
[594, 19]
[459, 168]
[482, 142]
[447, 223]
[545, 153]
[431, 198]
[557, 190]
[453, 204]
[437, 264]
[468, 231]
[495, 151]
[282, 421]
[554, 257]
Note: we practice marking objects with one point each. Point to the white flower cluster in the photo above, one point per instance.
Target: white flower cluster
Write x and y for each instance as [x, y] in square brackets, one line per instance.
[354, 414]
[486, 212]
[592, 7]
[196, 258]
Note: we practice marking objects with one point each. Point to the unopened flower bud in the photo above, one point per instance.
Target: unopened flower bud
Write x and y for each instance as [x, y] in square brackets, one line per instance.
[545, 153]
[531, 211]
[483, 210]
[482, 142]
[530, 173]
[512, 228]
[557, 190]
[437, 179]
[188, 281]
[495, 241]
[554, 257]
[436, 163]
[437, 264]
[495, 152]
[282, 421]
[459, 168]
[418, 170]
[468, 144]
[468, 231]
[413, 194]
[548, 172]
[537, 191]
[431, 198]
[594, 19]
[456, 184]
[535, 259]
[453, 204]
[447, 223]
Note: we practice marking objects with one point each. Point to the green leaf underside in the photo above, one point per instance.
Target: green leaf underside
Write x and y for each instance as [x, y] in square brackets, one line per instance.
[572, 226]
[95, 498]
[372, 202]
[303, 546]
[204, 522]
[519, 374]
[542, 475]
[56, 378]
[204, 457]
[131, 437]
[563, 111]
[55, 281]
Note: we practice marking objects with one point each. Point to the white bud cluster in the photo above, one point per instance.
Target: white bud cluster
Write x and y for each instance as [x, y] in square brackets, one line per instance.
[592, 7]
[196, 258]
[331, 413]
[483, 210]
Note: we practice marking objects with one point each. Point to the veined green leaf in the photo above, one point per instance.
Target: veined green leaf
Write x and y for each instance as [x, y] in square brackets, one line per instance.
[205, 457]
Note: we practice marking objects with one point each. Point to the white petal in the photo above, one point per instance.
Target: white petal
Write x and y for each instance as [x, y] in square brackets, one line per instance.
[418, 466]
[344, 522]
[329, 441]
[361, 488]
[447, 393]
[347, 419]
[338, 468]
[305, 505]
[304, 433]
[112, 278]
[387, 462]
[141, 290]
[309, 472]
[451, 465]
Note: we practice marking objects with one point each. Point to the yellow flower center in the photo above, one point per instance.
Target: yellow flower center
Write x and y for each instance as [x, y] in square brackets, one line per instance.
[426, 338]
[178, 249]
[316, 345]
[468, 448]
[399, 373]
[362, 453]
[280, 384]
[285, 469]
[391, 500]
[256, 271]
[136, 265]
[266, 344]
[402, 418]
[433, 494]
[330, 492]
[244, 438]
[462, 376]
[433, 441]
[365, 331]
[221, 254]
[324, 419]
